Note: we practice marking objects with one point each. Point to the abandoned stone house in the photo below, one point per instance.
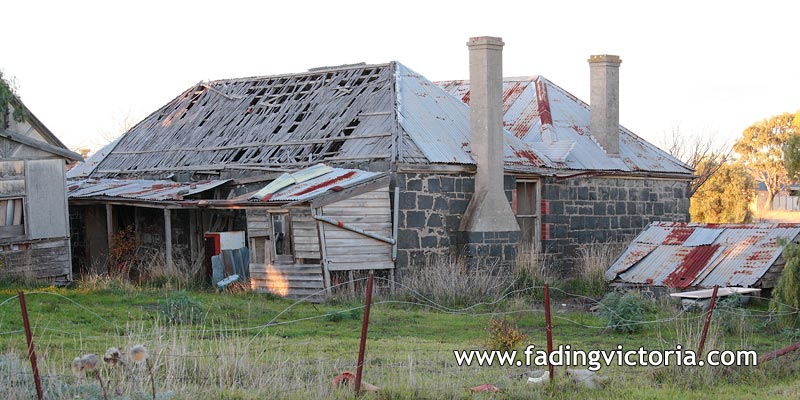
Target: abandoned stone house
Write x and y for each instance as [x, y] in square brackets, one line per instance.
[468, 167]
[34, 223]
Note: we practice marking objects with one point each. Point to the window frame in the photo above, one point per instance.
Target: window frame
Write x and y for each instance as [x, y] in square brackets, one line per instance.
[287, 231]
[7, 232]
[536, 217]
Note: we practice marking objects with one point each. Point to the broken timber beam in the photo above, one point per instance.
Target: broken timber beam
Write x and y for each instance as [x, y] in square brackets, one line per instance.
[352, 228]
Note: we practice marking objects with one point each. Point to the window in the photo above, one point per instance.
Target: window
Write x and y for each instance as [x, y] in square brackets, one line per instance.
[282, 232]
[527, 210]
[261, 251]
[12, 218]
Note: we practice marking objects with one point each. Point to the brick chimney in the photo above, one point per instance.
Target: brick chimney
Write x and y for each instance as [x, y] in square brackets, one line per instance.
[488, 209]
[604, 101]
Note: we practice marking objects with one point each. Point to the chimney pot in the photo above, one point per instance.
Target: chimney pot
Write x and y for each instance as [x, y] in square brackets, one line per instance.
[604, 101]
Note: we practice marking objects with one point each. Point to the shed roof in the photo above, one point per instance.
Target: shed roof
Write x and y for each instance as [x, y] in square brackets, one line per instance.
[138, 189]
[554, 122]
[685, 255]
[311, 182]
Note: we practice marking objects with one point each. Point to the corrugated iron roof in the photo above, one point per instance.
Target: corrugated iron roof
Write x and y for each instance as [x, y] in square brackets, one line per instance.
[335, 179]
[544, 115]
[139, 189]
[85, 168]
[685, 254]
[439, 124]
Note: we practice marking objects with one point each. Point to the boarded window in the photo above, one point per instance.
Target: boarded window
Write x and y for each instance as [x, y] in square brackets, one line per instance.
[528, 213]
[12, 218]
[261, 253]
[47, 199]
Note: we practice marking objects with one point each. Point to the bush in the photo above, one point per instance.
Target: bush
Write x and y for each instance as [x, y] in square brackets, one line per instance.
[504, 335]
[731, 317]
[180, 308]
[786, 295]
[624, 312]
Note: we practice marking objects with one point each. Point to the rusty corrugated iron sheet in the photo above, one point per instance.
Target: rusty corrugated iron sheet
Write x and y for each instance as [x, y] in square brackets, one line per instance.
[138, 189]
[439, 124]
[335, 180]
[685, 255]
[542, 114]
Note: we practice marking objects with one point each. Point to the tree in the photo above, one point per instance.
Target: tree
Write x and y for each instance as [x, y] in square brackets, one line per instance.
[761, 150]
[9, 101]
[791, 151]
[698, 152]
[726, 195]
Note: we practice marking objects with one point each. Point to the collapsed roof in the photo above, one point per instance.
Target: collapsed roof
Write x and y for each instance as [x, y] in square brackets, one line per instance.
[345, 115]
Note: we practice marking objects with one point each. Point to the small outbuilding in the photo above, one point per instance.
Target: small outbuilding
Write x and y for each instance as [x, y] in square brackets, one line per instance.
[34, 223]
[689, 255]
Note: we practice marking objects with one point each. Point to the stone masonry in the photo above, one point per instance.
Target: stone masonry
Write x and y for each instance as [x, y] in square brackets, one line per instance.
[574, 211]
[602, 210]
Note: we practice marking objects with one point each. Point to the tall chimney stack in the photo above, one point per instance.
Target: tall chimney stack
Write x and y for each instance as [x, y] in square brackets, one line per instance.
[488, 209]
[604, 101]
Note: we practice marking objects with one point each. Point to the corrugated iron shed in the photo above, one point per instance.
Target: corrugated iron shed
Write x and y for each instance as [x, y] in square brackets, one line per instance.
[550, 119]
[138, 189]
[335, 179]
[685, 255]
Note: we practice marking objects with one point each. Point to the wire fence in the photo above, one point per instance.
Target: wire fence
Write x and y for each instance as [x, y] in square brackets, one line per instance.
[254, 341]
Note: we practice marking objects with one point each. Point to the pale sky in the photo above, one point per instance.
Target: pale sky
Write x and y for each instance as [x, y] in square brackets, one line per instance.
[706, 66]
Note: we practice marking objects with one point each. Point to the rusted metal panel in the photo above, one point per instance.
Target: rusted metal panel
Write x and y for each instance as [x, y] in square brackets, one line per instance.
[139, 189]
[703, 255]
[541, 113]
[632, 255]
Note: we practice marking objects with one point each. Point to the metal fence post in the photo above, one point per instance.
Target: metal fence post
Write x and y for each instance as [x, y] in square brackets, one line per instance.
[708, 321]
[364, 325]
[31, 351]
[549, 328]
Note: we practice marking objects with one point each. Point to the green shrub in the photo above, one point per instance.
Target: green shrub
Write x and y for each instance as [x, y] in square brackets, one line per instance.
[334, 316]
[504, 335]
[180, 308]
[786, 295]
[624, 312]
[731, 317]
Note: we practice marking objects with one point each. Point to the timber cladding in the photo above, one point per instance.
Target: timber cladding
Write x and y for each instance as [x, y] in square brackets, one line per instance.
[34, 227]
[48, 259]
[347, 250]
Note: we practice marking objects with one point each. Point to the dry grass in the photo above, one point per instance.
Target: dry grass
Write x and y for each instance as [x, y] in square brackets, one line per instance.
[450, 282]
[594, 259]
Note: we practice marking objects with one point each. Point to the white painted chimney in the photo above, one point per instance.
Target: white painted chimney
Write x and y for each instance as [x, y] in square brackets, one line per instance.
[488, 210]
[604, 101]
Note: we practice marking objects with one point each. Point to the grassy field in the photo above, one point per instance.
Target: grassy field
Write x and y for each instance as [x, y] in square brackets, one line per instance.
[224, 348]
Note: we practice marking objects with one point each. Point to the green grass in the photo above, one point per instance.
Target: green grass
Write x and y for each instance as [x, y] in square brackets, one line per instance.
[226, 352]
